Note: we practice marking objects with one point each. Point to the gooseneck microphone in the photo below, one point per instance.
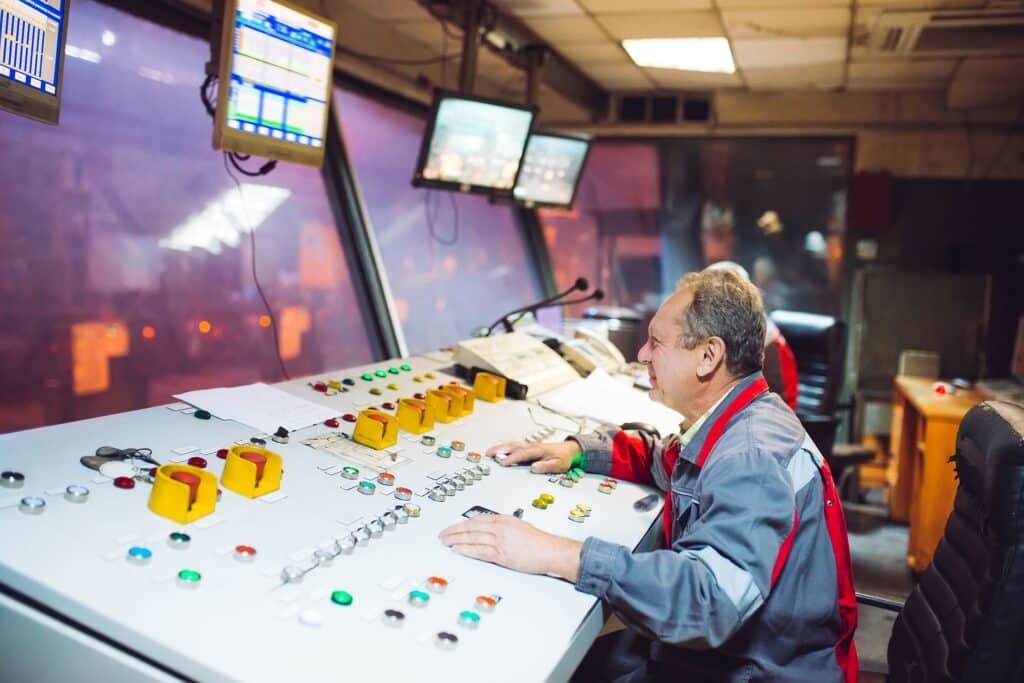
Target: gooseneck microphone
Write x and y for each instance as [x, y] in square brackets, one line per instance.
[580, 285]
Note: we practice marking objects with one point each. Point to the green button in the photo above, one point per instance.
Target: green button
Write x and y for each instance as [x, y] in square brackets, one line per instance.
[419, 597]
[343, 598]
[406, 367]
[179, 537]
[368, 377]
[189, 576]
[468, 615]
[201, 415]
[381, 373]
[393, 371]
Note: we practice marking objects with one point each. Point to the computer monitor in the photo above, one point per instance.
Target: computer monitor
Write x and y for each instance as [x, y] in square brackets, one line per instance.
[32, 38]
[551, 170]
[473, 144]
[275, 76]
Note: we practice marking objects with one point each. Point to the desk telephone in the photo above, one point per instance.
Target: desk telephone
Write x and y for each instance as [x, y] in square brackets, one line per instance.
[589, 351]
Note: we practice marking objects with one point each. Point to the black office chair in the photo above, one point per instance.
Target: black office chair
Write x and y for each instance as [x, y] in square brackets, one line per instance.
[964, 622]
[819, 344]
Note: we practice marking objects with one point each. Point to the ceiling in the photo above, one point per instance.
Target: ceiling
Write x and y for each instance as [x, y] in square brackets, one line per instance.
[778, 45]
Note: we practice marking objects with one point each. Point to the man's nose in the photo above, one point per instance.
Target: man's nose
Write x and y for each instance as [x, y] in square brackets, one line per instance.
[644, 355]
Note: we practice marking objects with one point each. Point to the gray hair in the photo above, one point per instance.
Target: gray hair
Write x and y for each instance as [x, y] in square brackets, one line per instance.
[726, 306]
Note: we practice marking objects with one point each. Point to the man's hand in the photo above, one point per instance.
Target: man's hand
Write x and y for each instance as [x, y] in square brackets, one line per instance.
[547, 458]
[512, 543]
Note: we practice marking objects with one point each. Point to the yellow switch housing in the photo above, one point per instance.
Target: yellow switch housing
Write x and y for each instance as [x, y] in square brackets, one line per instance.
[252, 471]
[376, 429]
[465, 395]
[488, 387]
[415, 416]
[183, 500]
[443, 405]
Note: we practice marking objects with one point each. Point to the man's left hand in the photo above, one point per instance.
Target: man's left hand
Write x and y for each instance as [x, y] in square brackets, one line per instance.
[513, 543]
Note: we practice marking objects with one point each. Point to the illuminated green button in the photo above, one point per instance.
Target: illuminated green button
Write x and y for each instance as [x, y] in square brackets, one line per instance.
[343, 598]
[406, 367]
[367, 376]
[393, 371]
[444, 452]
[188, 578]
[419, 598]
[367, 487]
[381, 373]
[469, 618]
[349, 472]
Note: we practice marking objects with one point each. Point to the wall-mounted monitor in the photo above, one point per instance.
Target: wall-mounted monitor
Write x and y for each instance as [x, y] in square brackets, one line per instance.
[275, 77]
[473, 144]
[32, 38]
[551, 170]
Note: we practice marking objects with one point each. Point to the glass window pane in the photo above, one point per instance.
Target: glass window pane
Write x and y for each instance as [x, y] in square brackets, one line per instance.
[454, 262]
[126, 268]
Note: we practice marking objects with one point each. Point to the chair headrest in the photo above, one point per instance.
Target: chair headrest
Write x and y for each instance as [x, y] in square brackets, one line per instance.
[990, 454]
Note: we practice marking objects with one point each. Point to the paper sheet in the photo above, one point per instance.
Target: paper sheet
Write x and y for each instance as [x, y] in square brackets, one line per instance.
[260, 406]
[601, 397]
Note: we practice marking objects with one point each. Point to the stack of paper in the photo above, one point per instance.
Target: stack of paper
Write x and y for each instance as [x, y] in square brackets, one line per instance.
[260, 406]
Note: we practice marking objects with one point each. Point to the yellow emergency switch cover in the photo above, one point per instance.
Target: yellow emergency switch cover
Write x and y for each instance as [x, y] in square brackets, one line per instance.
[183, 493]
[465, 395]
[488, 387]
[376, 429]
[252, 471]
[415, 416]
[443, 405]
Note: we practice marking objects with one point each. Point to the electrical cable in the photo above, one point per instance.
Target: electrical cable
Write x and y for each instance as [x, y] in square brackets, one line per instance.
[391, 60]
[255, 278]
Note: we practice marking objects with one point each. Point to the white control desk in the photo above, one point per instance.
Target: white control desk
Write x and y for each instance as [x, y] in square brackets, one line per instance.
[75, 607]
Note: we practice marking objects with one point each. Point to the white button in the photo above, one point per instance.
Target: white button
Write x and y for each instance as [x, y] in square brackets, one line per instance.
[311, 617]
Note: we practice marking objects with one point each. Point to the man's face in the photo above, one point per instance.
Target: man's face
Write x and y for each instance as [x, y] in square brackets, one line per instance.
[673, 369]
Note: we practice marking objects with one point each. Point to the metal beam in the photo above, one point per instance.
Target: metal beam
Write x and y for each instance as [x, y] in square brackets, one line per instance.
[470, 45]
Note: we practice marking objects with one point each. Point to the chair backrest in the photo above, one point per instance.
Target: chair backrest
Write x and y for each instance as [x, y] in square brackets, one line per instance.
[964, 621]
[819, 344]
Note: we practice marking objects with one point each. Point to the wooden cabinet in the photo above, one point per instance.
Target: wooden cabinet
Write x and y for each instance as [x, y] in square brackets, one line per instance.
[922, 482]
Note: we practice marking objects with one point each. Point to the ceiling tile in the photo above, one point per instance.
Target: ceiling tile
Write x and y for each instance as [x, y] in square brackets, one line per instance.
[899, 75]
[595, 53]
[778, 4]
[817, 77]
[622, 7]
[787, 23]
[698, 80]
[765, 53]
[661, 25]
[618, 77]
[428, 32]
[540, 8]
[382, 9]
[921, 4]
[565, 30]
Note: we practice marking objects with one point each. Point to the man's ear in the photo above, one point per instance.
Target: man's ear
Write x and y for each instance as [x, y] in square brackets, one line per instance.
[711, 357]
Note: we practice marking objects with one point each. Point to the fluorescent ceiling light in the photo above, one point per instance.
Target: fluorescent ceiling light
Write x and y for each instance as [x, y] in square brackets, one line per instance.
[685, 54]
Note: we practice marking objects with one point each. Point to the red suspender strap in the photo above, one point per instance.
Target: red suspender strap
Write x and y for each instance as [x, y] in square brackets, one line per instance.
[745, 398]
[846, 651]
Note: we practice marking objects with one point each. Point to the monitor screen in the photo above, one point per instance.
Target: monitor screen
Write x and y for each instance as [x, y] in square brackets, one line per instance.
[32, 35]
[275, 78]
[551, 170]
[473, 145]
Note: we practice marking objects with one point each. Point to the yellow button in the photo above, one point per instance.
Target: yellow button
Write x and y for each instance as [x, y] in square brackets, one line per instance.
[540, 504]
[547, 498]
[376, 391]
[393, 387]
[430, 375]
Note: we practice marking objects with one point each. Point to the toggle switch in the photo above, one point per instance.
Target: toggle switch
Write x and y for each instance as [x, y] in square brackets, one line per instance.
[488, 387]
[443, 405]
[464, 398]
[375, 429]
[415, 416]
[252, 471]
[183, 493]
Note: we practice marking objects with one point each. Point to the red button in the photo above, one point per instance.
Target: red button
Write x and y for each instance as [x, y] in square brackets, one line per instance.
[348, 417]
[124, 483]
[331, 422]
[419, 396]
[196, 461]
[245, 550]
[321, 387]
[222, 453]
[388, 406]
[437, 583]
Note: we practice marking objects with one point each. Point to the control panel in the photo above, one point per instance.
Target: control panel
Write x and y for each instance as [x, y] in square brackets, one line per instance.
[220, 553]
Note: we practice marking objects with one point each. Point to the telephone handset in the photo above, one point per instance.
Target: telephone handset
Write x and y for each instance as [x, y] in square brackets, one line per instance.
[589, 351]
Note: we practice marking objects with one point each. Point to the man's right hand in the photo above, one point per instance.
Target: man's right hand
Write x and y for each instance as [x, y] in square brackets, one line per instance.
[547, 458]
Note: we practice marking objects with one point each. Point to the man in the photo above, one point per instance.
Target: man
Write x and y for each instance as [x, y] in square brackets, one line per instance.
[755, 582]
[779, 365]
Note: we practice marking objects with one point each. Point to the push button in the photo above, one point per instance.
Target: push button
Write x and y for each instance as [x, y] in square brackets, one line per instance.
[419, 598]
[76, 494]
[12, 480]
[445, 640]
[245, 553]
[393, 617]
[469, 618]
[138, 555]
[189, 578]
[342, 598]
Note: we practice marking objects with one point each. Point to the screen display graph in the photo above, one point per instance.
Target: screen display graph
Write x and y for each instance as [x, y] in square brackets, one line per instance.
[30, 34]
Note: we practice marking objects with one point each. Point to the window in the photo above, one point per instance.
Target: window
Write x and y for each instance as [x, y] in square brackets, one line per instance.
[454, 262]
[125, 273]
[611, 236]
